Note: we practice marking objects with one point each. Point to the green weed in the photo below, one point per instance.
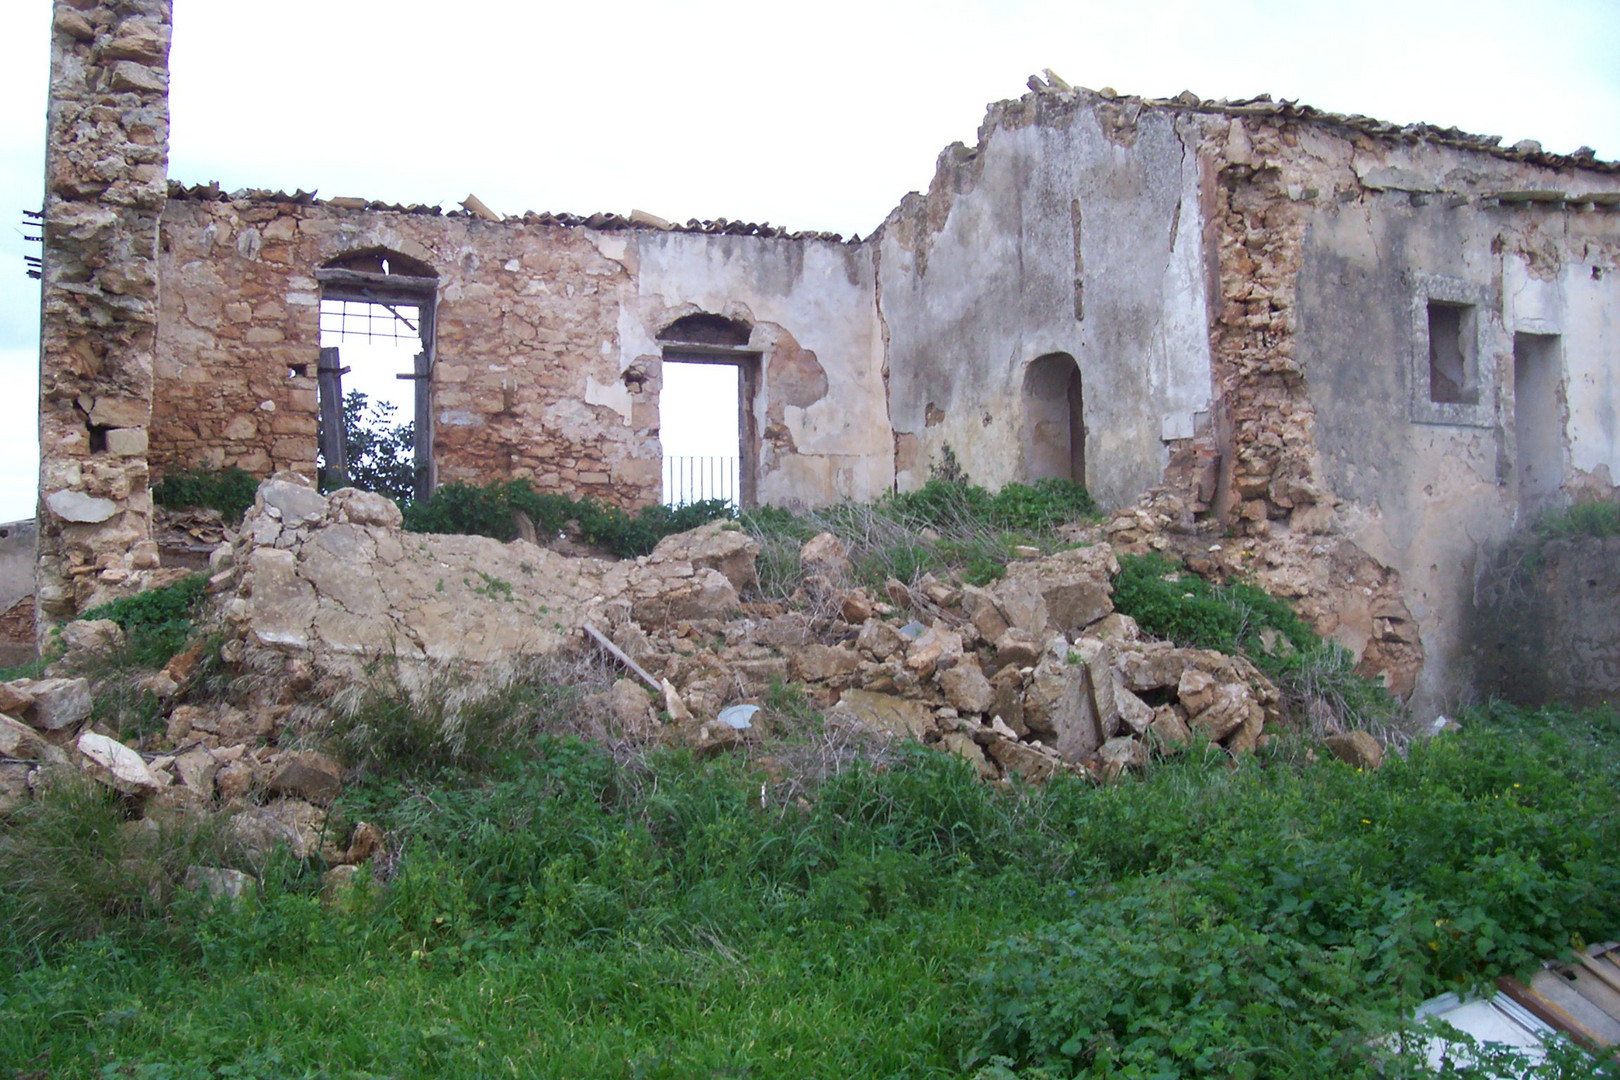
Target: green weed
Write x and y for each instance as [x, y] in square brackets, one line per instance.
[229, 490]
[156, 623]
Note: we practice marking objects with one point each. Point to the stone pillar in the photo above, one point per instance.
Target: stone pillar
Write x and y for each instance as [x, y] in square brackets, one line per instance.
[106, 166]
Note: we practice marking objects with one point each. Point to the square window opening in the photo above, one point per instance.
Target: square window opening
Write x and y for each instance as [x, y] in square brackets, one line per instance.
[1453, 363]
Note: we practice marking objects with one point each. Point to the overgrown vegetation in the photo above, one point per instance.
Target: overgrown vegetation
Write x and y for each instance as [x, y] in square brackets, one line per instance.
[946, 524]
[567, 914]
[229, 490]
[1588, 517]
[488, 510]
[156, 623]
[1168, 601]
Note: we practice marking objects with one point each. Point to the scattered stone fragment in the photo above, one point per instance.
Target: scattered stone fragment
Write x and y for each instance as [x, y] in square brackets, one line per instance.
[1357, 749]
[110, 762]
[307, 775]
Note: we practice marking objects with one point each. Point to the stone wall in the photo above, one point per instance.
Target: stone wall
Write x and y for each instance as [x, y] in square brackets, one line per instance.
[105, 164]
[1545, 627]
[546, 359]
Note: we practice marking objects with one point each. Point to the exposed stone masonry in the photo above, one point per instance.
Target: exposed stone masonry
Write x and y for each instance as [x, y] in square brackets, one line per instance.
[105, 186]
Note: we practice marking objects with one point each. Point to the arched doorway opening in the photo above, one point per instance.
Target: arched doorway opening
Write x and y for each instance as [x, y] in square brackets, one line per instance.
[1054, 420]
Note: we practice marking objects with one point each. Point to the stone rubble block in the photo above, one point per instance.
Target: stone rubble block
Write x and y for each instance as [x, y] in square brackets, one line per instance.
[115, 765]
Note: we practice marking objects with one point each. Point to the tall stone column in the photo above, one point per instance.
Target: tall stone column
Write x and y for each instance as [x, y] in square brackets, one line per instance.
[106, 177]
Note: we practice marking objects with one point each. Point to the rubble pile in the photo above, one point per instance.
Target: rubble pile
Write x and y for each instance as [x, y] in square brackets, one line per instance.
[1028, 676]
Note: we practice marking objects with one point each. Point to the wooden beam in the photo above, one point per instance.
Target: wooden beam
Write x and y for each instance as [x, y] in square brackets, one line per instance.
[619, 655]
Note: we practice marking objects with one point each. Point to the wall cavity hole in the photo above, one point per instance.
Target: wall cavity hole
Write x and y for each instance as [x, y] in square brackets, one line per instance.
[98, 437]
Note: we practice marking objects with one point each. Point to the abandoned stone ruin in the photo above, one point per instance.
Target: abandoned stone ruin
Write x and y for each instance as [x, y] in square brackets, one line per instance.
[1343, 359]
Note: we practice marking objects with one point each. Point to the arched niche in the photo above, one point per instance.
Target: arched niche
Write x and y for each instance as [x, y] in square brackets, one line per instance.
[1054, 420]
[703, 328]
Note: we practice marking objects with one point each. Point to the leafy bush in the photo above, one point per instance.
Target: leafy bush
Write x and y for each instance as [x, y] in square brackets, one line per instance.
[487, 510]
[156, 623]
[229, 490]
[381, 454]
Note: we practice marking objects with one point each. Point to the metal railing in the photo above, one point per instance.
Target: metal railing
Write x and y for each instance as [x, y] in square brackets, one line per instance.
[690, 479]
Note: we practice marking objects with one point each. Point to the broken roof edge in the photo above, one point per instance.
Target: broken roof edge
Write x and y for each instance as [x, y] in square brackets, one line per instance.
[1527, 151]
[602, 222]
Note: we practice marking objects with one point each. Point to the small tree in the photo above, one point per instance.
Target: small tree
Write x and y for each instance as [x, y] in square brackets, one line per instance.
[382, 454]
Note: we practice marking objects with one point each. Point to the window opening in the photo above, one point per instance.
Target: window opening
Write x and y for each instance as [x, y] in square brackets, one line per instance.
[1453, 373]
[1538, 419]
[1054, 420]
[376, 320]
[700, 427]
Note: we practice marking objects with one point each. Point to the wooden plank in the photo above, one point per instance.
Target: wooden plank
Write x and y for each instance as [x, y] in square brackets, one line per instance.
[619, 655]
[1599, 1027]
[1601, 969]
[1596, 991]
[1544, 1010]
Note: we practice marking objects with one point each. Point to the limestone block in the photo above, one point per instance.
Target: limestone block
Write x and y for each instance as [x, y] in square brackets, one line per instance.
[18, 740]
[218, 883]
[632, 709]
[896, 716]
[719, 545]
[825, 554]
[58, 703]
[284, 605]
[1357, 749]
[307, 775]
[967, 689]
[92, 637]
[298, 504]
[823, 663]
[128, 75]
[127, 442]
[78, 507]
[112, 763]
[364, 508]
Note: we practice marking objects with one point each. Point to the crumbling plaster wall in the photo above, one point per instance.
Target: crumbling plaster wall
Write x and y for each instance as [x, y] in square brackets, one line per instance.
[1425, 490]
[820, 409]
[1063, 195]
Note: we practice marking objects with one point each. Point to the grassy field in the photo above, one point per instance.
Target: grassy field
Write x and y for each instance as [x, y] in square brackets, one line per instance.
[560, 913]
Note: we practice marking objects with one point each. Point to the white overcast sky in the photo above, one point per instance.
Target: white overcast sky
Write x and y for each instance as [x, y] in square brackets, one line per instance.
[813, 116]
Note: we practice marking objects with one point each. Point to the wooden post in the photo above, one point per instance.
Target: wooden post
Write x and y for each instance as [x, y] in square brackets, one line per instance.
[422, 425]
[329, 379]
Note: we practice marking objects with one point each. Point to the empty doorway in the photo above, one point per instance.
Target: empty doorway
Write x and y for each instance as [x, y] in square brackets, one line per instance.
[1538, 419]
[1054, 420]
[705, 411]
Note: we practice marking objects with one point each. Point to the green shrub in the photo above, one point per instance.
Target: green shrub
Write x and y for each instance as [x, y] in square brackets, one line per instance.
[381, 454]
[156, 623]
[487, 510]
[1586, 518]
[229, 490]
[1168, 601]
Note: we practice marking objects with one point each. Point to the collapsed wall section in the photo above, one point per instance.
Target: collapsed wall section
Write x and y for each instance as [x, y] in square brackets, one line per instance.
[105, 163]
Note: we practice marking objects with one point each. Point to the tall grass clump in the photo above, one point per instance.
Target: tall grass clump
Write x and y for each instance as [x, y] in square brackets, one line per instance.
[1588, 517]
[73, 865]
[946, 525]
